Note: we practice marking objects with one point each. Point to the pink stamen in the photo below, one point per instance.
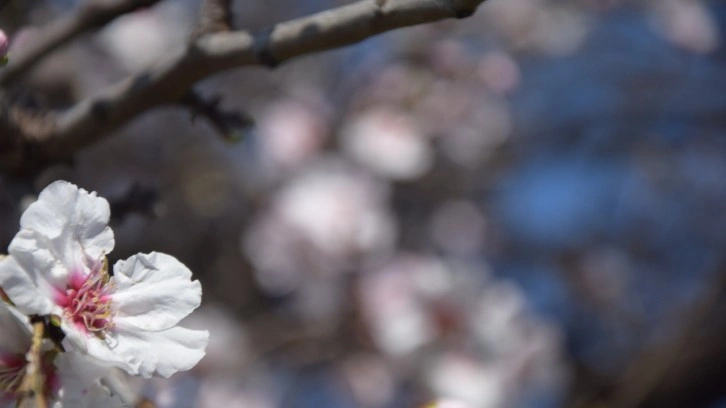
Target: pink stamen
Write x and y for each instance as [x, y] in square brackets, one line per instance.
[86, 301]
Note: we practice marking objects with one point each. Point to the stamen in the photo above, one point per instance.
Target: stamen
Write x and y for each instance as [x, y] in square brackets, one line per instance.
[86, 301]
[12, 371]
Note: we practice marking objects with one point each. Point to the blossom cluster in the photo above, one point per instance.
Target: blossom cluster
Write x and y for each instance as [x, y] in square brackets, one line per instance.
[89, 321]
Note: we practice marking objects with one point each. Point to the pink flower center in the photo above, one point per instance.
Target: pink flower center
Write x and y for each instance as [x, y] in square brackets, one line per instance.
[87, 302]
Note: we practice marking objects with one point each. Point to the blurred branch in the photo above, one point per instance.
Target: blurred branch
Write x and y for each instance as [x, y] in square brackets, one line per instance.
[214, 16]
[230, 124]
[652, 367]
[660, 364]
[139, 199]
[59, 135]
[90, 15]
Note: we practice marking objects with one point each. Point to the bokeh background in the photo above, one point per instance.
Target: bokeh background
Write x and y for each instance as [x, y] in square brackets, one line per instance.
[525, 208]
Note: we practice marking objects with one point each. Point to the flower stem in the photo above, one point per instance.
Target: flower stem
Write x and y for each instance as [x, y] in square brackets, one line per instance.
[32, 388]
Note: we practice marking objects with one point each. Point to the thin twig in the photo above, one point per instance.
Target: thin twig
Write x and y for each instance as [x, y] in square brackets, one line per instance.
[231, 125]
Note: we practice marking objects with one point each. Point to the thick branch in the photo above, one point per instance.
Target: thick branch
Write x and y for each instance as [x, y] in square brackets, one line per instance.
[90, 15]
[214, 16]
[92, 119]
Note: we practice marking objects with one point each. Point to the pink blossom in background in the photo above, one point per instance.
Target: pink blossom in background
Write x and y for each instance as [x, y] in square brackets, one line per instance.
[4, 43]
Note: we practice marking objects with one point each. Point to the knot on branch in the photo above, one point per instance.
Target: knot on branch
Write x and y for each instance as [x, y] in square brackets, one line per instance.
[261, 48]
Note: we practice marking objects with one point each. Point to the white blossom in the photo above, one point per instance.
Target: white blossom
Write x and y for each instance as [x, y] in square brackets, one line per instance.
[14, 344]
[57, 267]
[70, 379]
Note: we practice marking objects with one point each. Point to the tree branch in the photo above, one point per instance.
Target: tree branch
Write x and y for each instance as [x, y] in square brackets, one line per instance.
[60, 135]
[214, 16]
[90, 15]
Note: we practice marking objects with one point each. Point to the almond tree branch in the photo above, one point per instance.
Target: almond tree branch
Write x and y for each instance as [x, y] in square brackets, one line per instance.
[214, 16]
[56, 136]
[90, 15]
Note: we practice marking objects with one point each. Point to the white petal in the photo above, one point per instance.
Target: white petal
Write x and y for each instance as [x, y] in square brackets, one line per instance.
[63, 211]
[14, 331]
[79, 383]
[153, 292]
[78, 370]
[102, 350]
[162, 352]
[23, 288]
[64, 231]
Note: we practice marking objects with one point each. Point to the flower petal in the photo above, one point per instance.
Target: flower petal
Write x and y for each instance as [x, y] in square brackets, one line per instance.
[64, 211]
[102, 350]
[23, 289]
[153, 292]
[63, 231]
[79, 381]
[163, 352]
[14, 331]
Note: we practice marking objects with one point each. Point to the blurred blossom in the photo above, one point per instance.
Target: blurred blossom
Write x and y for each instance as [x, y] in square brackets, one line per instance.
[277, 252]
[389, 143]
[228, 392]
[450, 58]
[688, 24]
[4, 44]
[499, 72]
[141, 39]
[181, 391]
[322, 220]
[538, 25]
[395, 84]
[370, 380]
[513, 19]
[463, 378]
[487, 125]
[398, 319]
[415, 301]
[559, 31]
[290, 133]
[458, 227]
[448, 403]
[340, 210]
[228, 349]
[444, 105]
